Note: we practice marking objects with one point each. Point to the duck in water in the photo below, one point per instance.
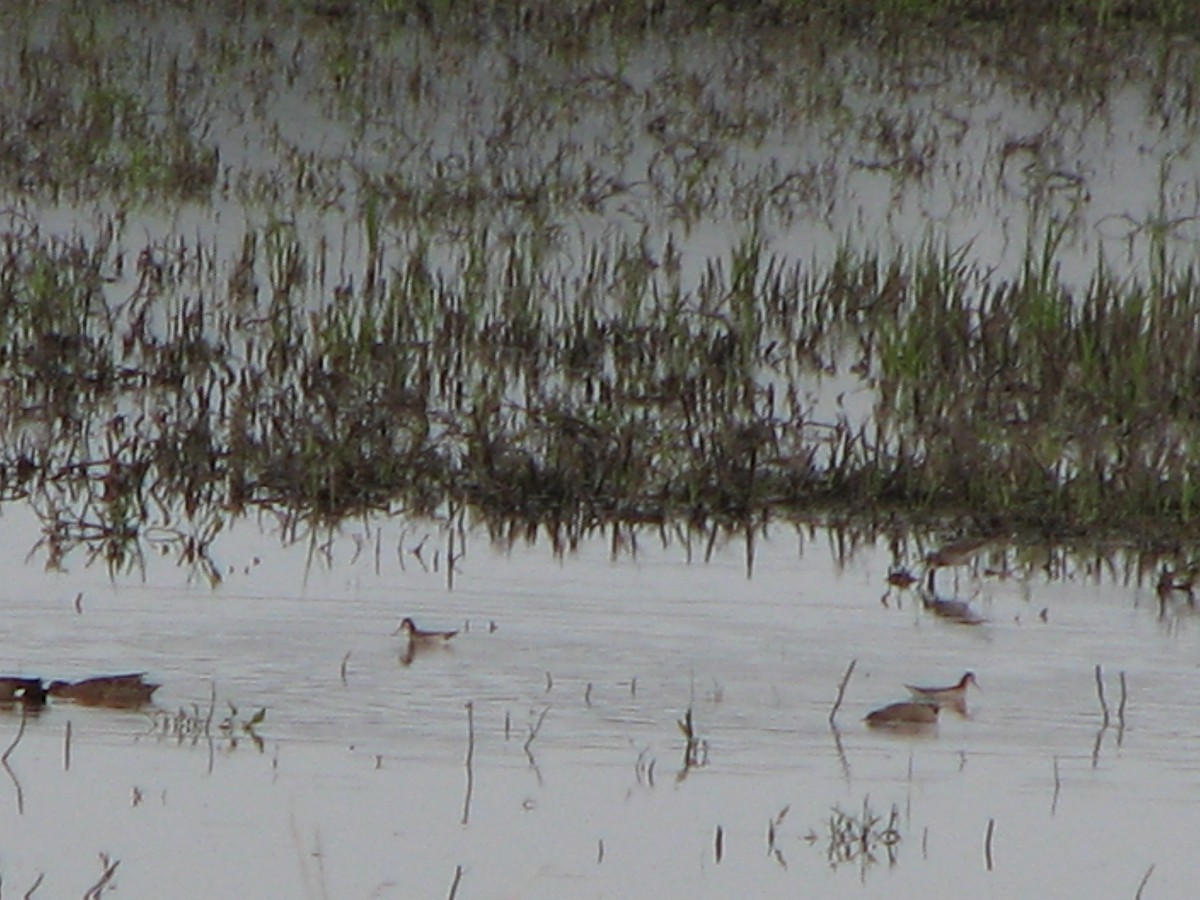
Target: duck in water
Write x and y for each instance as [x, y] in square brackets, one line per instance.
[127, 691]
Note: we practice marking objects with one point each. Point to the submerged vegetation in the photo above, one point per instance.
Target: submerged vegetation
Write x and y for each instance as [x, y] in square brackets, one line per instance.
[320, 260]
[860, 838]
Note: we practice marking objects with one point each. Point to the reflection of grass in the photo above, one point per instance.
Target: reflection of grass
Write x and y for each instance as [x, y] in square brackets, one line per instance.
[859, 838]
[196, 725]
[695, 751]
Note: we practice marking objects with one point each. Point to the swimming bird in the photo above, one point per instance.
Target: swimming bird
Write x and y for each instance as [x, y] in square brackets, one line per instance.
[906, 712]
[417, 635]
[955, 610]
[954, 695]
[955, 553]
[127, 691]
[901, 578]
[22, 689]
[1170, 582]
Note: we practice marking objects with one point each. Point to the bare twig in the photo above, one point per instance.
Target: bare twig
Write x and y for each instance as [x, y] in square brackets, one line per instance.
[37, 883]
[1121, 707]
[212, 708]
[458, 874]
[450, 551]
[842, 690]
[533, 733]
[695, 751]
[1057, 786]
[11, 774]
[987, 843]
[16, 740]
[1142, 885]
[773, 828]
[470, 773]
[110, 869]
[1100, 693]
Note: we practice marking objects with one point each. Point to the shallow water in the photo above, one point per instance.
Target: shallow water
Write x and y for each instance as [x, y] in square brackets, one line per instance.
[360, 787]
[698, 141]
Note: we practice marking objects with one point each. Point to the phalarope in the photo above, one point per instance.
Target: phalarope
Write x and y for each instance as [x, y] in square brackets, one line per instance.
[420, 635]
[906, 712]
[951, 695]
[126, 691]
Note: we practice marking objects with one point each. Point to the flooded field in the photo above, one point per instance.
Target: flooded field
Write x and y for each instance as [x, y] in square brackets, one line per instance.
[570, 272]
[644, 347]
[577, 674]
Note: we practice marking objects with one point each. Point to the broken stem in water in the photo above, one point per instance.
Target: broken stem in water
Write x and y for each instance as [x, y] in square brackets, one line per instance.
[470, 771]
[1100, 693]
[842, 691]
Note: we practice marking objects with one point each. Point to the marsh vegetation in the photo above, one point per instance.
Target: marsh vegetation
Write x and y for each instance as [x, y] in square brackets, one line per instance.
[674, 280]
[556, 270]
